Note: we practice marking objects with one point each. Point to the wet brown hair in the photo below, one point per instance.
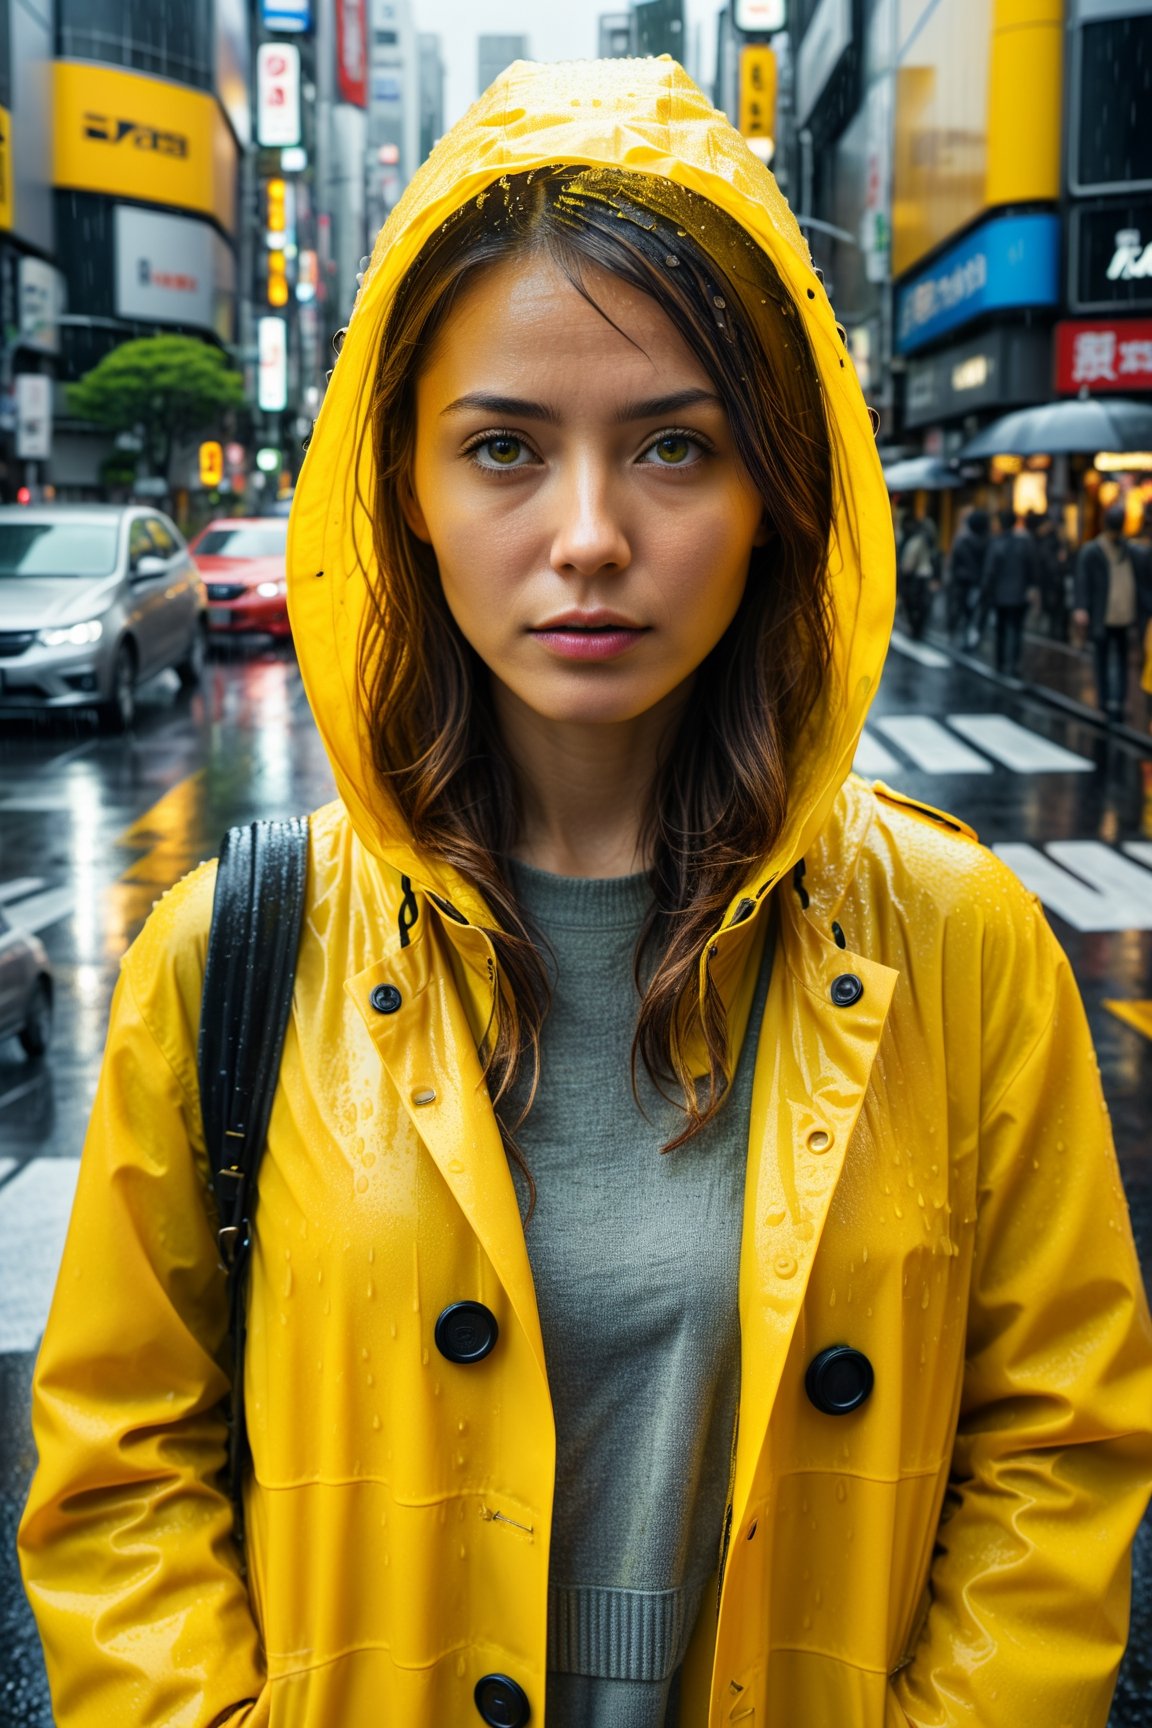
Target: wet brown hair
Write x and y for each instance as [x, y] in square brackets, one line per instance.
[720, 794]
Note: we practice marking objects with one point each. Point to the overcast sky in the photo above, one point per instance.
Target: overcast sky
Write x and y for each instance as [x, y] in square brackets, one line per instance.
[555, 32]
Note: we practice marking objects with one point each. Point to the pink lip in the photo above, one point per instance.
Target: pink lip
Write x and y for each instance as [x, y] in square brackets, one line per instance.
[588, 644]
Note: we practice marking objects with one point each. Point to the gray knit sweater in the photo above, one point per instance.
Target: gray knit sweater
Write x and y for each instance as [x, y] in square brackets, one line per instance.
[635, 1258]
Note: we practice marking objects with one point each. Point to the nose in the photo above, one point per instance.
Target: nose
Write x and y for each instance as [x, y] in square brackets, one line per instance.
[589, 537]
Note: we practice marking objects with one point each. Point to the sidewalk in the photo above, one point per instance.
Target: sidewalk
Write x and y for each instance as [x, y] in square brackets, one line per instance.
[1058, 673]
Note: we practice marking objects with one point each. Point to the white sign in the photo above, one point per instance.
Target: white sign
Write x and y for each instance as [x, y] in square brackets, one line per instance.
[169, 269]
[761, 17]
[827, 37]
[277, 94]
[41, 302]
[1131, 259]
[272, 346]
[33, 416]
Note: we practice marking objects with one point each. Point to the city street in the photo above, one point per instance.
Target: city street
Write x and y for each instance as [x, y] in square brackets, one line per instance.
[95, 829]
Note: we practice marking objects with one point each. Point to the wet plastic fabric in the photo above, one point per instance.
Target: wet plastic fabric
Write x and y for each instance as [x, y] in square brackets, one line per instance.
[930, 1179]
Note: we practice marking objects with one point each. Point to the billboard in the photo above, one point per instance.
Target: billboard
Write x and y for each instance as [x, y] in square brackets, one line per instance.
[978, 114]
[277, 94]
[352, 52]
[41, 294]
[1007, 262]
[142, 138]
[172, 270]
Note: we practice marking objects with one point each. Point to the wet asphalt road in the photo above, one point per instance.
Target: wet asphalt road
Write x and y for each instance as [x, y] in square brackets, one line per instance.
[94, 829]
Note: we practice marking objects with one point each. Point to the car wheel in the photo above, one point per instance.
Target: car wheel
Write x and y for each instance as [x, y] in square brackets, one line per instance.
[118, 713]
[36, 1032]
[191, 669]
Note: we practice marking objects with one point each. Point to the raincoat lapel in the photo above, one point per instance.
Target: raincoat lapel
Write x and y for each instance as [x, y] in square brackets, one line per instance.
[428, 1047]
[813, 1068]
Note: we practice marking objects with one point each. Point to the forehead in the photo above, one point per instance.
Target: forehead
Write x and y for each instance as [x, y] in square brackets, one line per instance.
[525, 318]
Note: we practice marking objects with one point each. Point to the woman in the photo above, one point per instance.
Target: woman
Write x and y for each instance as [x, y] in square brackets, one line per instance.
[806, 1374]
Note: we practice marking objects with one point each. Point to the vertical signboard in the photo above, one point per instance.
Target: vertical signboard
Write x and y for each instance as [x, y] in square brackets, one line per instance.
[272, 348]
[352, 52]
[33, 417]
[5, 169]
[277, 94]
[757, 92]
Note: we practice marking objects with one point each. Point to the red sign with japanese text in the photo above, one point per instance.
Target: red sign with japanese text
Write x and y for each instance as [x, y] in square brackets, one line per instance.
[1104, 354]
[352, 51]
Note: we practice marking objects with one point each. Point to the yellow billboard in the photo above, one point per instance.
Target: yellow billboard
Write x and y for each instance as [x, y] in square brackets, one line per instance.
[757, 91]
[977, 124]
[5, 170]
[142, 138]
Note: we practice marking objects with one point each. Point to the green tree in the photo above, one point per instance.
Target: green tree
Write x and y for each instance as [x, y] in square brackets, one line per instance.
[164, 388]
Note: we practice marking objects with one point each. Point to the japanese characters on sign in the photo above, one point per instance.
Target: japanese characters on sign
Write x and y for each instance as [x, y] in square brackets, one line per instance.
[277, 94]
[1102, 356]
[1007, 261]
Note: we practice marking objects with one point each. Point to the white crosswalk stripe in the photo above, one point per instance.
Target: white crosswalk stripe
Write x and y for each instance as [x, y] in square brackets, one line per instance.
[872, 758]
[919, 651]
[930, 746]
[944, 746]
[1091, 886]
[34, 1210]
[1017, 747]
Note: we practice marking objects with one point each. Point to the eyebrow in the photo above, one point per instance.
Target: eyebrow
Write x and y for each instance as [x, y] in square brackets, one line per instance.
[520, 407]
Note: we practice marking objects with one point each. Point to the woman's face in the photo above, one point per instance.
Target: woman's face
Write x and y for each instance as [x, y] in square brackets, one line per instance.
[580, 488]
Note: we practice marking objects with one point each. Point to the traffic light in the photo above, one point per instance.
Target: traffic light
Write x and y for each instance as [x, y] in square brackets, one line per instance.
[758, 92]
[277, 279]
[211, 464]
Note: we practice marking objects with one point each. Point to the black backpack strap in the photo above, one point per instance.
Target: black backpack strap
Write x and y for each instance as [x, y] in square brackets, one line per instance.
[257, 914]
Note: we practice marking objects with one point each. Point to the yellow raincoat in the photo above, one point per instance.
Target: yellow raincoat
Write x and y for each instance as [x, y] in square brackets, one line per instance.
[930, 1180]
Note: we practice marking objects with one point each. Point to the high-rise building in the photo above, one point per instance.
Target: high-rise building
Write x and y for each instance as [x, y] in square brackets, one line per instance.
[394, 150]
[494, 54]
[431, 92]
[614, 35]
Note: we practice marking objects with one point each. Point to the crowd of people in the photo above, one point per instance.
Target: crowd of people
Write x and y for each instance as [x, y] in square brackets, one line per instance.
[1002, 568]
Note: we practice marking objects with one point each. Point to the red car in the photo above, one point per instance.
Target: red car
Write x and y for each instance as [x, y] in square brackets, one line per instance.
[241, 562]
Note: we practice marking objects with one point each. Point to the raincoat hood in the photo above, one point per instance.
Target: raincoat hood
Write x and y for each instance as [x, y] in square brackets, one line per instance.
[647, 117]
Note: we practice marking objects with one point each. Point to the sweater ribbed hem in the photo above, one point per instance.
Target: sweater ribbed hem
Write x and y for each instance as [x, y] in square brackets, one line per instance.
[620, 1634]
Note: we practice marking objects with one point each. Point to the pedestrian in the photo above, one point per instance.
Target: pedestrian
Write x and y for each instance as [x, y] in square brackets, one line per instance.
[1053, 562]
[749, 1109]
[1011, 579]
[918, 554]
[966, 576]
[1107, 606]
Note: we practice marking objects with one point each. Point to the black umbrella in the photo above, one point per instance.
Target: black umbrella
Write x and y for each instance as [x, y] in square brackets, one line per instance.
[1070, 428]
[920, 474]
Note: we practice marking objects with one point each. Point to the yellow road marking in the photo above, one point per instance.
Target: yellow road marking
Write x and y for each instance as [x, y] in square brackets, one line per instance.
[1137, 1014]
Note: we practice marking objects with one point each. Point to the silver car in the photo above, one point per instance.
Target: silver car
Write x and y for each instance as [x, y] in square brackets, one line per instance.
[25, 988]
[94, 598]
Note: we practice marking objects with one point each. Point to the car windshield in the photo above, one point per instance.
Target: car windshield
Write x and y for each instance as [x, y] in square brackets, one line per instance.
[74, 549]
[262, 542]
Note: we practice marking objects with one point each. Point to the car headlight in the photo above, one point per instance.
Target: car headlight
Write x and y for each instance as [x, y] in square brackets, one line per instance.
[269, 590]
[72, 635]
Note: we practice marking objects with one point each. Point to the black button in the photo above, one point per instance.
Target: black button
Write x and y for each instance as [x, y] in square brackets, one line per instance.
[385, 998]
[501, 1703]
[839, 1380]
[846, 989]
[466, 1332]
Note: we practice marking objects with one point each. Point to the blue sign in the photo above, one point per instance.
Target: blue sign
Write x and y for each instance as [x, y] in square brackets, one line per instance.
[286, 15]
[1008, 261]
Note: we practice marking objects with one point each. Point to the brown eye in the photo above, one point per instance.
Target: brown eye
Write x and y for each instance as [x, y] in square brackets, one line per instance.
[673, 451]
[503, 451]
